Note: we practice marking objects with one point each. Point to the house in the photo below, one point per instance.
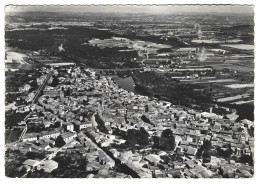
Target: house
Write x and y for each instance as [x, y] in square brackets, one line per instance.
[117, 108]
[68, 126]
[90, 176]
[175, 173]
[93, 166]
[107, 123]
[201, 172]
[92, 156]
[145, 175]
[47, 135]
[32, 163]
[179, 164]
[178, 139]
[110, 163]
[153, 159]
[119, 141]
[44, 135]
[191, 151]
[79, 126]
[185, 143]
[51, 143]
[125, 155]
[30, 148]
[30, 137]
[164, 166]
[161, 153]
[68, 136]
[191, 164]
[45, 146]
[48, 165]
[247, 123]
[26, 88]
[114, 152]
[154, 169]
[108, 129]
[106, 143]
[227, 172]
[111, 137]
[246, 174]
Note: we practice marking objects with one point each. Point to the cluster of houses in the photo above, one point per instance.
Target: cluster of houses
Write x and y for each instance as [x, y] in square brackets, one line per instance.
[46, 165]
[88, 111]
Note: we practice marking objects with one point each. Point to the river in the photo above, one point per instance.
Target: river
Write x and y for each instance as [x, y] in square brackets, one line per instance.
[125, 83]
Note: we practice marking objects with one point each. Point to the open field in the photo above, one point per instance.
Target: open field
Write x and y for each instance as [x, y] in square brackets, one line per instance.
[12, 135]
[15, 57]
[199, 81]
[236, 86]
[216, 41]
[124, 42]
[240, 46]
[243, 102]
[232, 98]
[233, 67]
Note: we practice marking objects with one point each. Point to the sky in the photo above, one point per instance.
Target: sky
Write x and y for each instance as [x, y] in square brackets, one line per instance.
[159, 9]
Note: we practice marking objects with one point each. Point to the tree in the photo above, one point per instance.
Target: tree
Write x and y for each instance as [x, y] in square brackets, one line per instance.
[199, 152]
[137, 136]
[146, 108]
[207, 146]
[204, 150]
[156, 142]
[251, 131]
[167, 140]
[55, 81]
[23, 171]
[165, 158]
[60, 142]
[144, 137]
[167, 133]
[225, 153]
[145, 119]
[206, 158]
[34, 155]
[83, 164]
[247, 159]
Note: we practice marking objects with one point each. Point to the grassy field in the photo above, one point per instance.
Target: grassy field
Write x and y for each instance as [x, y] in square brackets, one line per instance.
[236, 86]
[243, 102]
[240, 46]
[233, 67]
[232, 98]
[203, 81]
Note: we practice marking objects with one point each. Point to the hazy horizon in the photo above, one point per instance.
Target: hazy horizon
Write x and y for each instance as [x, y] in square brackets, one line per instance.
[146, 9]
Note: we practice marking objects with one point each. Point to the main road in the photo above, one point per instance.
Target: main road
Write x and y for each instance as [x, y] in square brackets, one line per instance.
[38, 92]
